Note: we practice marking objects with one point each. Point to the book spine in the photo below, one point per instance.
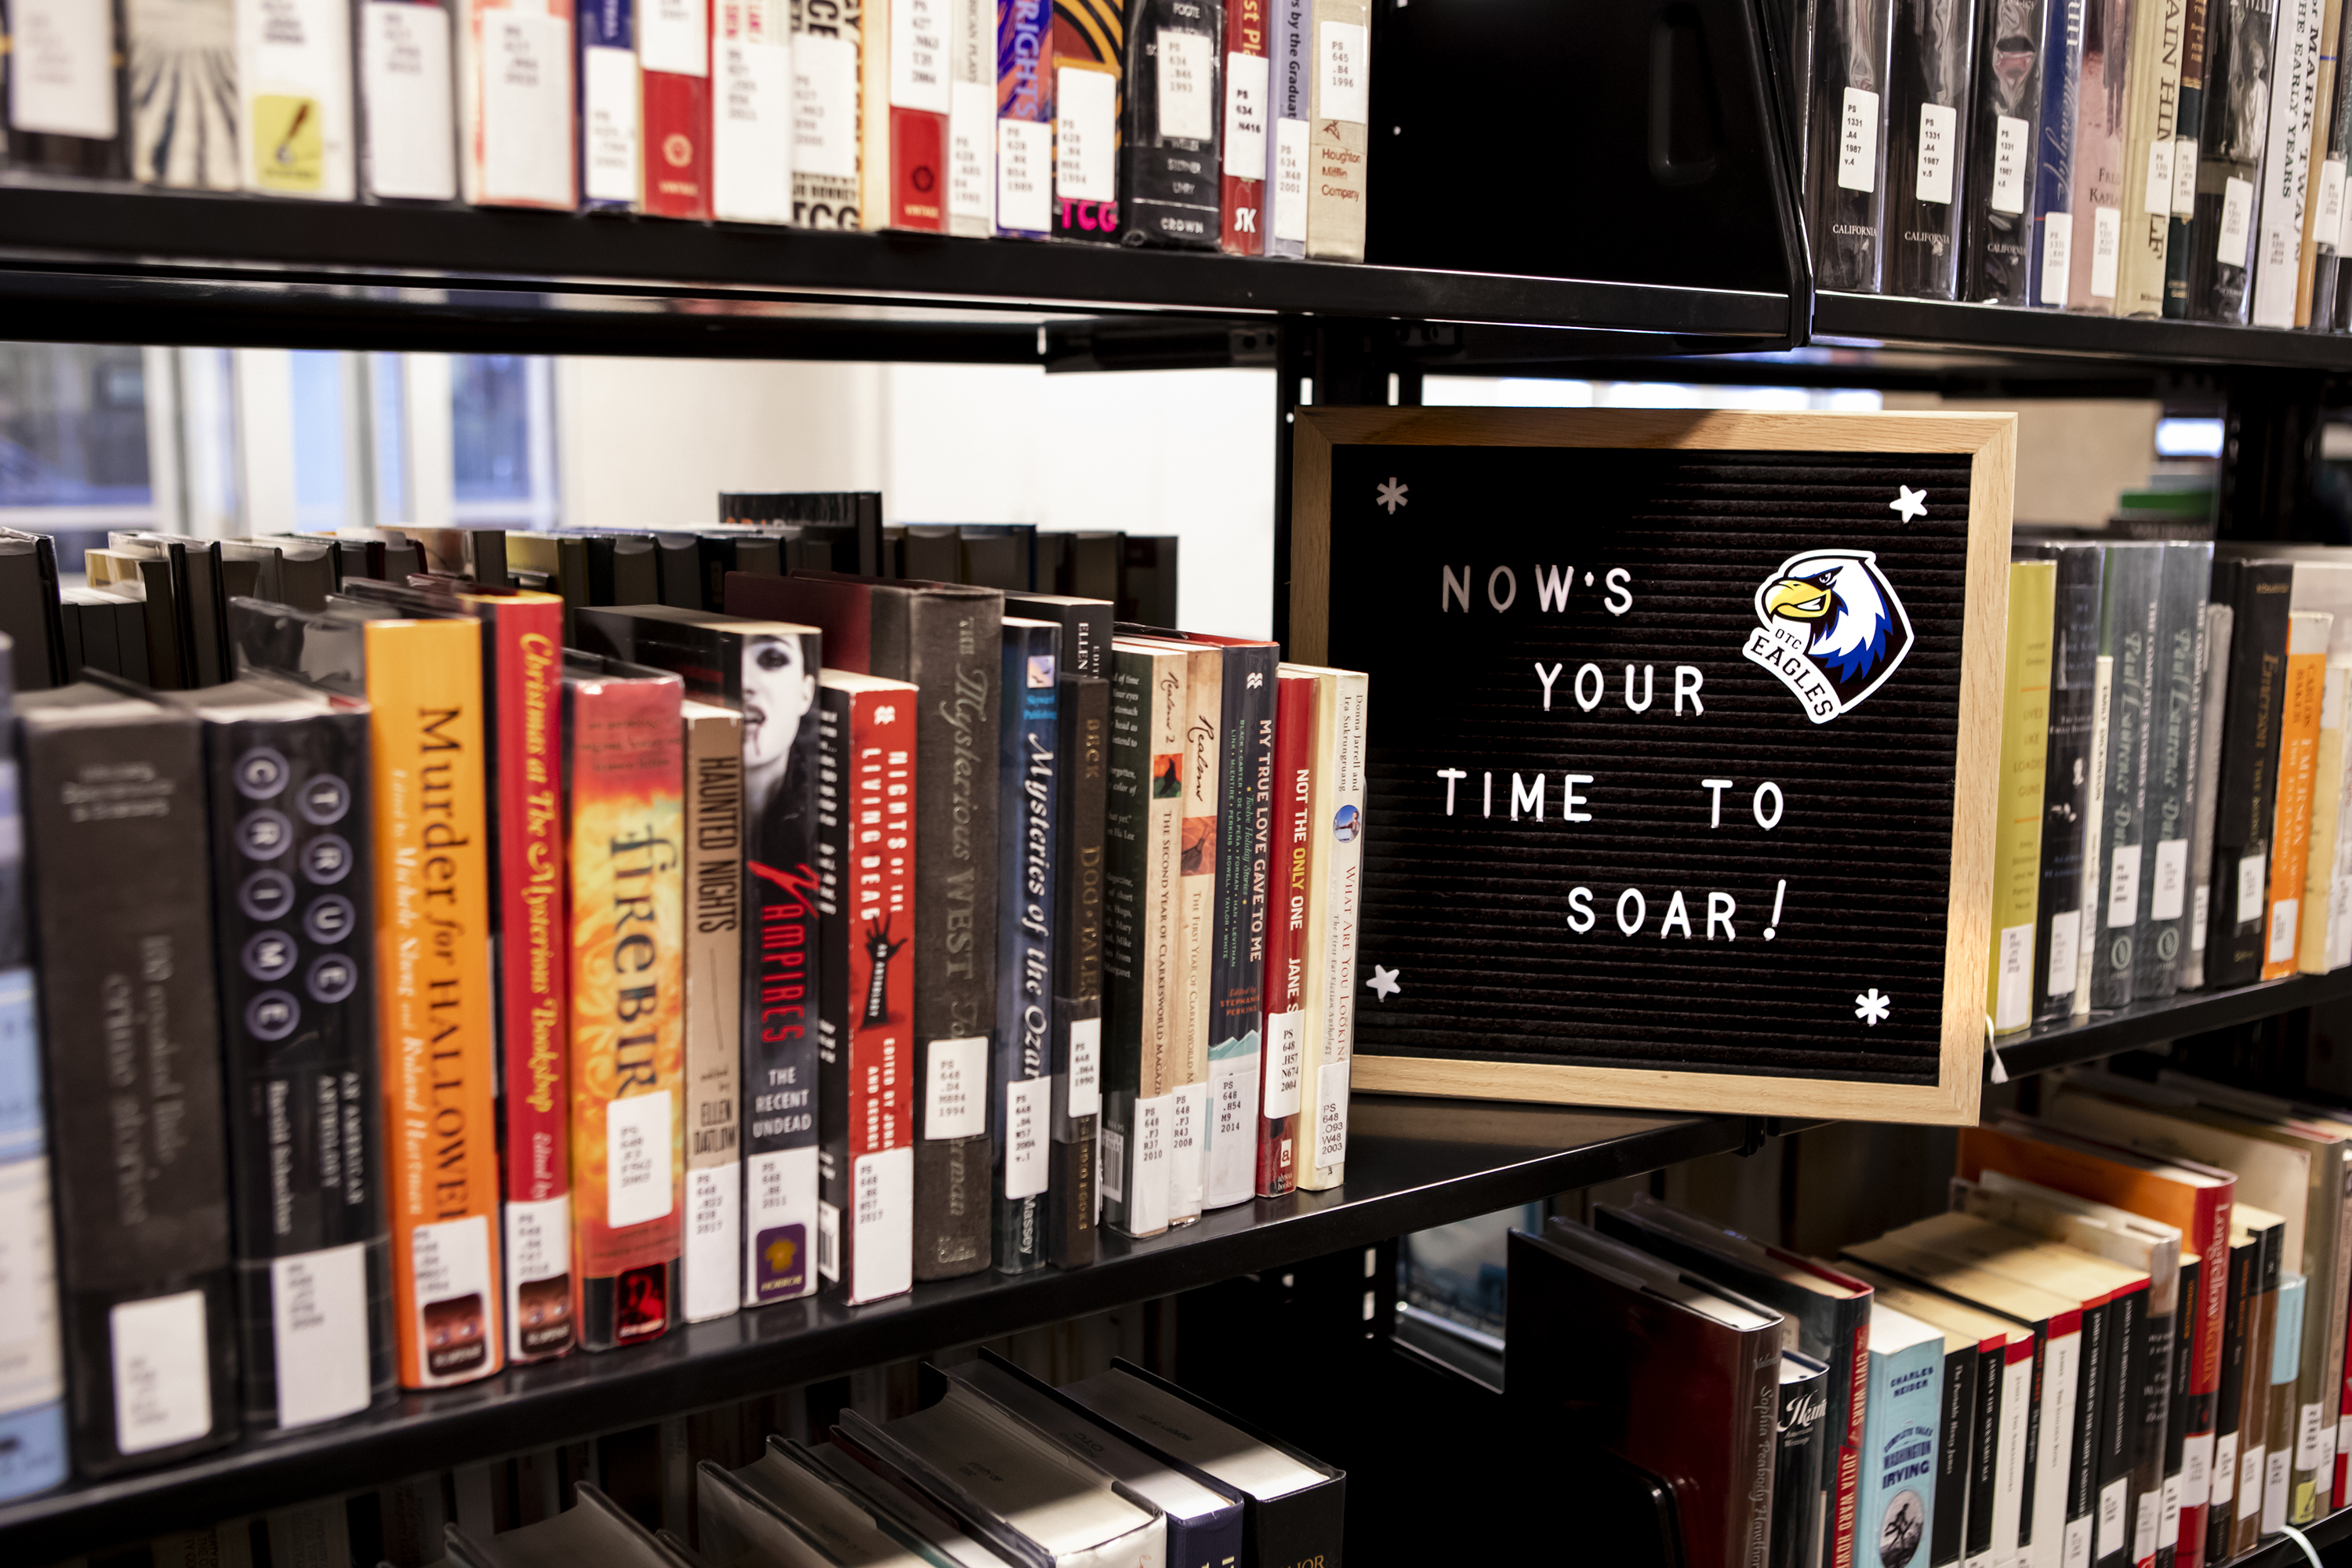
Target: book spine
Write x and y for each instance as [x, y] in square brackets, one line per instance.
[2171, 1533]
[2176, 710]
[1339, 130]
[435, 1015]
[2147, 189]
[2074, 694]
[1796, 1472]
[2336, 949]
[180, 135]
[406, 109]
[2057, 1401]
[2001, 155]
[2278, 1447]
[2325, 238]
[2317, 935]
[1085, 725]
[782, 992]
[1022, 1088]
[1237, 961]
[1248, 82]
[1956, 1429]
[2307, 676]
[2101, 115]
[2053, 177]
[1168, 153]
[2025, 760]
[2248, 780]
[624, 828]
[2151, 1417]
[1085, 89]
[2183, 236]
[1142, 832]
[751, 116]
[514, 92]
[2222, 1515]
[711, 1265]
[612, 168]
[1296, 901]
[2092, 1393]
[295, 99]
[904, 99]
[829, 78]
[1845, 162]
[2117, 1441]
[1324, 1164]
[2240, 37]
[2010, 1454]
[313, 1259]
[1933, 71]
[1200, 767]
[1899, 1448]
[971, 118]
[1024, 117]
[522, 643]
[1286, 146]
[2286, 162]
[674, 63]
[2094, 898]
[2213, 685]
[2127, 616]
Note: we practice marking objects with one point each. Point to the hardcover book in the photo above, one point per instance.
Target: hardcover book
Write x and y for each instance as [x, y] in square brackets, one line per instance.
[712, 1264]
[1933, 71]
[2240, 36]
[294, 100]
[2154, 116]
[1338, 133]
[2054, 176]
[2175, 711]
[2017, 834]
[407, 121]
[1143, 833]
[181, 61]
[1244, 134]
[2000, 185]
[1168, 157]
[1021, 1074]
[1895, 1505]
[1342, 701]
[1845, 162]
[904, 99]
[674, 90]
[1288, 60]
[2298, 756]
[2213, 685]
[751, 114]
[2184, 239]
[2287, 162]
[827, 126]
[2102, 116]
[971, 118]
[1078, 910]
[2059, 935]
[1801, 1430]
[515, 78]
[2245, 787]
[1024, 117]
[865, 1073]
[2323, 226]
[1088, 41]
[66, 88]
[1295, 891]
[612, 175]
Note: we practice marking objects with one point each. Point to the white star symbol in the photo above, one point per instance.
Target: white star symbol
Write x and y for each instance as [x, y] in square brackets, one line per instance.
[1872, 1007]
[1909, 502]
[1385, 981]
[1391, 495]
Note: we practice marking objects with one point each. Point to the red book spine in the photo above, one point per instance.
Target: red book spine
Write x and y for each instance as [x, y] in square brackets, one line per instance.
[919, 161]
[1849, 1472]
[1247, 95]
[879, 907]
[2211, 1235]
[677, 144]
[1285, 989]
[526, 661]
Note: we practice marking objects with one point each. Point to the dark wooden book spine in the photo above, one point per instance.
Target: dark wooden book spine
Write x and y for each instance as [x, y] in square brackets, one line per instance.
[1084, 726]
[2248, 775]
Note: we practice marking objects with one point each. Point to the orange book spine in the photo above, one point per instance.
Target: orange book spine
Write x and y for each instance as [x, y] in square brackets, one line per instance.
[435, 1019]
[2306, 677]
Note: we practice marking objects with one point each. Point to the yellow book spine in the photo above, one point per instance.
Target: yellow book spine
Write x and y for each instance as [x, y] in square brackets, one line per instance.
[2024, 752]
[2306, 672]
[435, 1013]
[2326, 822]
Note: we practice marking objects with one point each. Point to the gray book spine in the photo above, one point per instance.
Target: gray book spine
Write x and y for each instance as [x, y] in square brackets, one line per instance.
[2176, 712]
[2213, 681]
[2127, 629]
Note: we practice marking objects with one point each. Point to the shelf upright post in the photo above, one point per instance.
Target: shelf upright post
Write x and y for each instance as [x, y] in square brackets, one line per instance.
[2270, 458]
[1329, 361]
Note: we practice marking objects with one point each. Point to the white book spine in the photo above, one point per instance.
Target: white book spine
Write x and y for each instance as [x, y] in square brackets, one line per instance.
[295, 98]
[1326, 1161]
[2287, 162]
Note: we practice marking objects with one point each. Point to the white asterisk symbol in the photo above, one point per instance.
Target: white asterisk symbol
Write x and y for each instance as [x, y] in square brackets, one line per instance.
[1385, 981]
[1391, 495]
[1909, 502]
[1872, 1007]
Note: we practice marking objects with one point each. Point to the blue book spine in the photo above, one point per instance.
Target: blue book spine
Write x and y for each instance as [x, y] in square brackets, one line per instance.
[1896, 1500]
[1020, 1080]
[2054, 167]
[1212, 1539]
[611, 172]
[32, 1386]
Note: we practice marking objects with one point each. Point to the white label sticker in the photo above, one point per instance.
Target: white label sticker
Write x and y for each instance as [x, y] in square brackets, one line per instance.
[2168, 1519]
[1285, 1035]
[2075, 1551]
[1245, 100]
[1858, 141]
[919, 55]
[2106, 250]
[2145, 1524]
[2111, 1515]
[526, 107]
[608, 118]
[1233, 1128]
[2328, 225]
[2250, 1481]
[2250, 887]
[1937, 127]
[1345, 92]
[2184, 176]
[318, 1309]
[2310, 1424]
[61, 69]
[751, 133]
[2010, 157]
[2235, 231]
[404, 71]
[2225, 1468]
[2200, 907]
[1113, 1163]
[2057, 252]
[1332, 1115]
[2012, 1005]
[638, 1158]
[455, 1316]
[1024, 188]
[955, 1088]
[1086, 145]
[1086, 1067]
[2155, 196]
[2122, 887]
[2169, 894]
[2283, 923]
[674, 35]
[1028, 1105]
[2276, 1475]
[1290, 180]
[1187, 72]
[2065, 930]
[824, 106]
[882, 1257]
[971, 153]
[713, 1256]
[163, 1372]
[1147, 1174]
[2196, 1469]
[1188, 1139]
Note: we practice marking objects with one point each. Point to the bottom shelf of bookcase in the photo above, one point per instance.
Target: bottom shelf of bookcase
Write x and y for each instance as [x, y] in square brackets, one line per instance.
[1413, 1164]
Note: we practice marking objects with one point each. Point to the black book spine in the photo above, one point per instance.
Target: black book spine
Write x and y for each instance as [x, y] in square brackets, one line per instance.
[1085, 725]
[1801, 1440]
[2152, 1418]
[1021, 1077]
[2327, 263]
[1086, 628]
[2066, 789]
[1845, 165]
[2176, 1417]
[2120, 1407]
[950, 645]
[678, 575]
[121, 915]
[2249, 776]
[1927, 126]
[2033, 1416]
[2093, 1390]
[2239, 38]
[2189, 125]
[1983, 1473]
[2245, 1270]
[2176, 704]
[59, 152]
[2127, 625]
[29, 611]
[836, 1094]
[1955, 1436]
[1167, 148]
[289, 799]
[1237, 961]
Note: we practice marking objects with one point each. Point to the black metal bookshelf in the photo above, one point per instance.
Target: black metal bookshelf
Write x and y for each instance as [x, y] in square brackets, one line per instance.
[1893, 319]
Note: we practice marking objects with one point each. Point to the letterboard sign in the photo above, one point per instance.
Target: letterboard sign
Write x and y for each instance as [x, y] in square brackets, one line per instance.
[1683, 740]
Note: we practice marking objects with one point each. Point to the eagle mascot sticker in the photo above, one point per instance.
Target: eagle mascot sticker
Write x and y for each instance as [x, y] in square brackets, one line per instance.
[1831, 628]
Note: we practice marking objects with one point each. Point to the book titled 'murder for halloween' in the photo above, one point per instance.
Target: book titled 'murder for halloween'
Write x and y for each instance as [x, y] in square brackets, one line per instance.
[865, 1039]
[625, 836]
[767, 671]
[435, 1008]
[947, 641]
[121, 926]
